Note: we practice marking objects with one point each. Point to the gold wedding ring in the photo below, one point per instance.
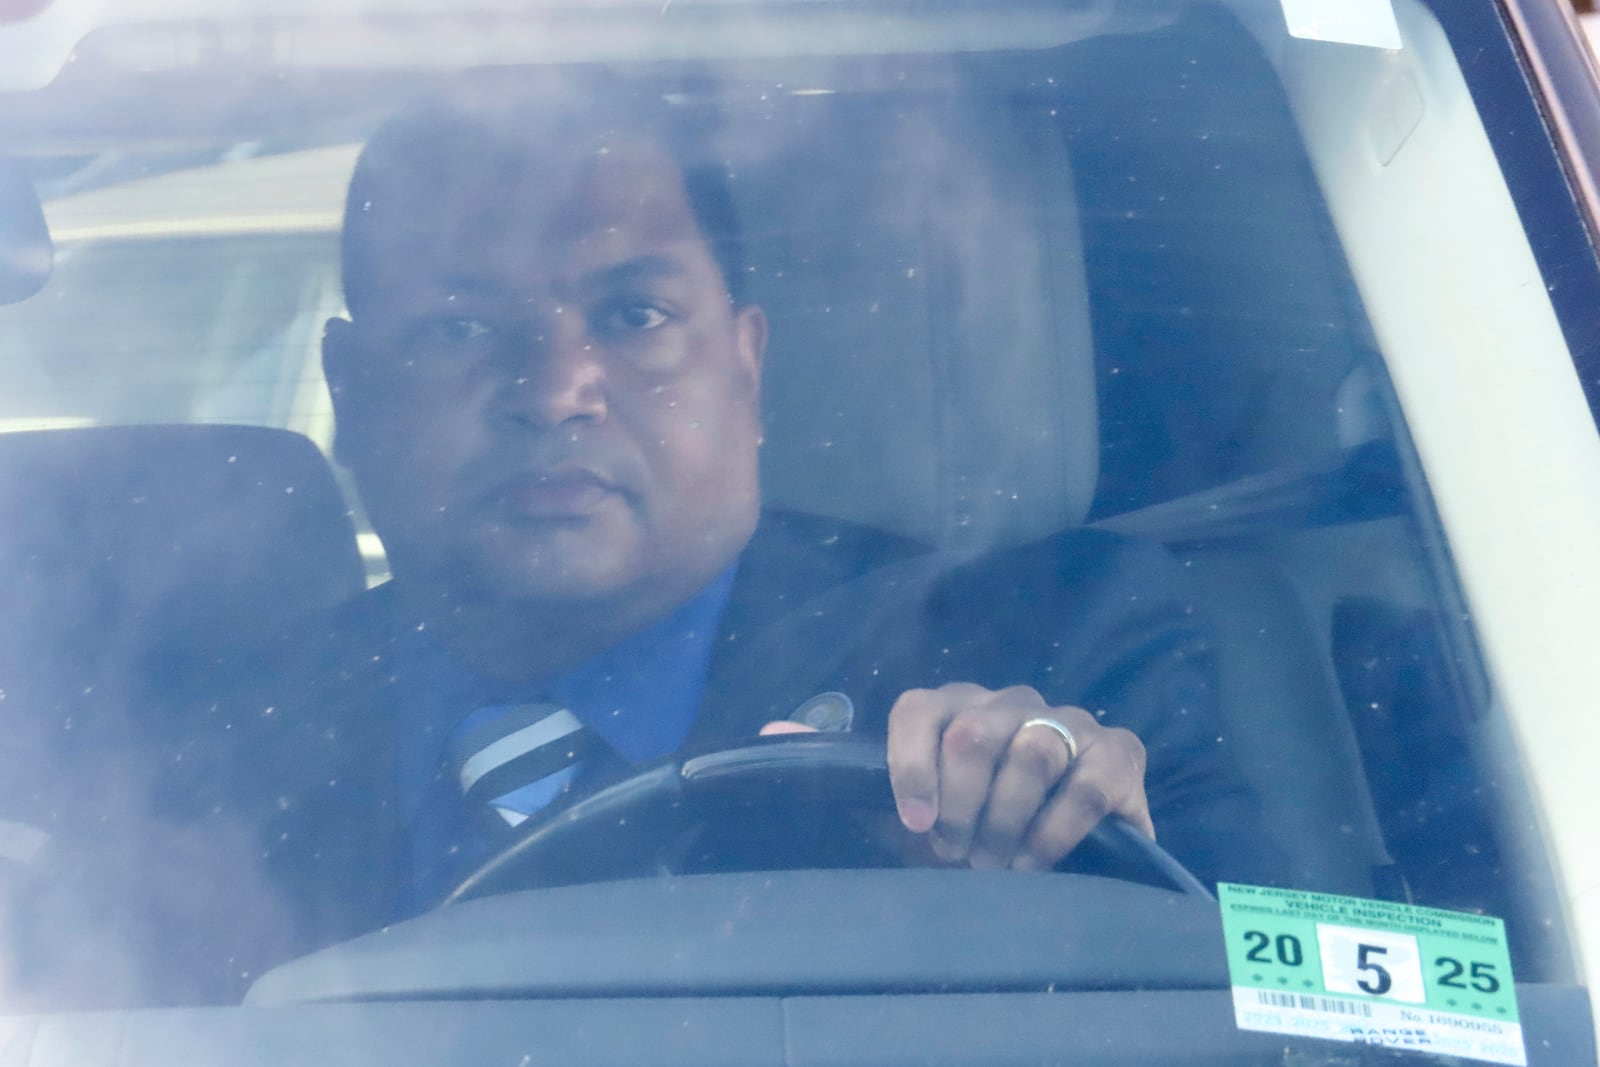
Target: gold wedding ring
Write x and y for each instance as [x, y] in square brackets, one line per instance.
[1061, 731]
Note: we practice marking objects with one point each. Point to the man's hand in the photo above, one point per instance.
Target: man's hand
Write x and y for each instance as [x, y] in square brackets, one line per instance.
[991, 793]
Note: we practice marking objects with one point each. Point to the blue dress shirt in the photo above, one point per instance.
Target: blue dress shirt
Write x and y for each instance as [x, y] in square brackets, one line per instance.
[640, 696]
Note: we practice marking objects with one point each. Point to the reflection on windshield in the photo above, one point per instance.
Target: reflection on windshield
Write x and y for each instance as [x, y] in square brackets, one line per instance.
[1017, 406]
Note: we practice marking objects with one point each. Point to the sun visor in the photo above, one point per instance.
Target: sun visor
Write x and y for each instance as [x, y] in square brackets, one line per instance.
[25, 252]
[147, 36]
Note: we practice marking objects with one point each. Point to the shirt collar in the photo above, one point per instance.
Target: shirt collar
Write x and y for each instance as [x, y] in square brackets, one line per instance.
[642, 694]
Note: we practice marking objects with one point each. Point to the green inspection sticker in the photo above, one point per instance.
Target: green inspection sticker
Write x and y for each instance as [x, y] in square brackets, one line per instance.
[1371, 972]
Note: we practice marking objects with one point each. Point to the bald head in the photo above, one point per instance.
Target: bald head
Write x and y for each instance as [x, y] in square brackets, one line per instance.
[450, 155]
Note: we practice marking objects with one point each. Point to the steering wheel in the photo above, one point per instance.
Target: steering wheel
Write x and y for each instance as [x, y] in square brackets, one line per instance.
[795, 801]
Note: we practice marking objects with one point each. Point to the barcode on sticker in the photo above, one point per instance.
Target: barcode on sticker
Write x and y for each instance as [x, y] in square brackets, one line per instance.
[1301, 1002]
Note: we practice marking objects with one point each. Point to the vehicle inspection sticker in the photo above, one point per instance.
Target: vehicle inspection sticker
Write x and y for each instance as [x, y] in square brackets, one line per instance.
[1371, 972]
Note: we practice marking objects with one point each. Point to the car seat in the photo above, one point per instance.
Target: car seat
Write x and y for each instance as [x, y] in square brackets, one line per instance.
[132, 559]
[931, 373]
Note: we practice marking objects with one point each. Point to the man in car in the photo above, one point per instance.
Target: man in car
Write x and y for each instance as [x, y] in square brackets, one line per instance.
[548, 393]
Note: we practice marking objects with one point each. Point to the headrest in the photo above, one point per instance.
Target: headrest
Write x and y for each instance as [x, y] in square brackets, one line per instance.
[930, 370]
[191, 535]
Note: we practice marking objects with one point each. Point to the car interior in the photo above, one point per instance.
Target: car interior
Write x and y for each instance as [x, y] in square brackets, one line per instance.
[1013, 293]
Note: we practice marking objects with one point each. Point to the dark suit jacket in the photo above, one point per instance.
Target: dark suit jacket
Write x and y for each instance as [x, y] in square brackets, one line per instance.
[293, 784]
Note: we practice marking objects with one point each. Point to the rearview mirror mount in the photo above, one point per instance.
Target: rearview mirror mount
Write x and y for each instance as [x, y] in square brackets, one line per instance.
[26, 256]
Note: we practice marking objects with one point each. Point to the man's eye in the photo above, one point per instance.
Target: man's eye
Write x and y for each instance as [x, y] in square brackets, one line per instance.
[632, 318]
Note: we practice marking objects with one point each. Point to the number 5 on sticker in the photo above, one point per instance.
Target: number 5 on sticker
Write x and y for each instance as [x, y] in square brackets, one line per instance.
[1371, 962]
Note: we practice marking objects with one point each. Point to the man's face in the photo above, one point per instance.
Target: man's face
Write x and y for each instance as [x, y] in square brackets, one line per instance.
[547, 394]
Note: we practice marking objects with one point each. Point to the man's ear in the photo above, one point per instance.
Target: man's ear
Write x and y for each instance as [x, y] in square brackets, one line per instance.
[750, 322]
[340, 353]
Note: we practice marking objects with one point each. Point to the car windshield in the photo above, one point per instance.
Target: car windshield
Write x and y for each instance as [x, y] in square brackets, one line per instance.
[636, 513]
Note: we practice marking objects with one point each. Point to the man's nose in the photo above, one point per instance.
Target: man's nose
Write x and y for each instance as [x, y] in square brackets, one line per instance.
[555, 376]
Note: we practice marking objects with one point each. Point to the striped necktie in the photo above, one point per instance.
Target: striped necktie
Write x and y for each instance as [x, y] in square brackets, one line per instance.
[513, 760]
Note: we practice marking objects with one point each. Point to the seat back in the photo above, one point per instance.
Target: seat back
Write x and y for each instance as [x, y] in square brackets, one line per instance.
[1281, 705]
[930, 368]
[931, 372]
[132, 556]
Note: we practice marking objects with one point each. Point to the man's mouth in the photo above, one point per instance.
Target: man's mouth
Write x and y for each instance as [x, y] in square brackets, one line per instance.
[555, 494]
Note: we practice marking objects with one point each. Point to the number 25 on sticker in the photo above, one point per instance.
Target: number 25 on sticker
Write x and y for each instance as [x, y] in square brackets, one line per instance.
[1372, 962]
[1454, 973]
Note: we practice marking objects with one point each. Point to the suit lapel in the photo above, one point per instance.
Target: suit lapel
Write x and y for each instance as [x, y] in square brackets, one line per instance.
[339, 830]
[817, 606]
